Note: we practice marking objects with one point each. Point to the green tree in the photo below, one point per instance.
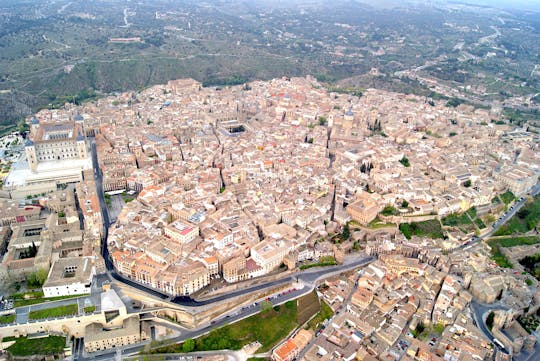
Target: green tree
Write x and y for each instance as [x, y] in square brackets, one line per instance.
[405, 161]
[467, 183]
[188, 345]
[489, 320]
[404, 204]
[346, 232]
[322, 120]
[389, 211]
[37, 279]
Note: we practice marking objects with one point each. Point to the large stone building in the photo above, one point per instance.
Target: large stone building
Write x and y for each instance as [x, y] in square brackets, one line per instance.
[518, 179]
[99, 338]
[55, 141]
[55, 153]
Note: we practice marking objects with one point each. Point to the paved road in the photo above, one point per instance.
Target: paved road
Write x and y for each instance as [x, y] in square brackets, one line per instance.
[480, 312]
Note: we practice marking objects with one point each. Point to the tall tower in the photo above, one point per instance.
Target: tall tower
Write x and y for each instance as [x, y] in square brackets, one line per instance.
[81, 146]
[30, 150]
[34, 124]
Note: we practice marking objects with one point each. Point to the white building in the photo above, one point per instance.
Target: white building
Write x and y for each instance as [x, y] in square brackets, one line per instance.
[69, 276]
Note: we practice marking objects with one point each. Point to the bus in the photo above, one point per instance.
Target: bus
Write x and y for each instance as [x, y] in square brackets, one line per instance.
[498, 343]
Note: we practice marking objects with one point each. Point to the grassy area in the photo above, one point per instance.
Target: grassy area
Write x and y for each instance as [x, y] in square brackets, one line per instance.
[324, 261]
[497, 243]
[89, 309]
[498, 257]
[523, 221]
[7, 319]
[507, 197]
[479, 223]
[514, 241]
[431, 228]
[389, 211]
[38, 346]
[422, 332]
[268, 327]
[20, 301]
[377, 223]
[455, 219]
[471, 212]
[54, 312]
[325, 313]
[308, 306]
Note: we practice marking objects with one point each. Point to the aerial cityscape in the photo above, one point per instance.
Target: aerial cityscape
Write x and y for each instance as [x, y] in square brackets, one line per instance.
[328, 195]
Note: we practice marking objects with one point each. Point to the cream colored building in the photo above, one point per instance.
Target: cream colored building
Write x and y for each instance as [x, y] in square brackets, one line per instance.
[97, 337]
[517, 178]
[55, 141]
[182, 231]
[269, 254]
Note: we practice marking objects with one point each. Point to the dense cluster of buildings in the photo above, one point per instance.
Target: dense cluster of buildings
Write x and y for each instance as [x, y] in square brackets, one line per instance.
[238, 181]
[385, 311]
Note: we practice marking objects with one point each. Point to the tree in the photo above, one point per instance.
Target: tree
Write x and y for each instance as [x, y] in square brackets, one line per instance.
[489, 320]
[37, 279]
[363, 168]
[188, 345]
[322, 120]
[346, 232]
[405, 161]
[467, 183]
[404, 204]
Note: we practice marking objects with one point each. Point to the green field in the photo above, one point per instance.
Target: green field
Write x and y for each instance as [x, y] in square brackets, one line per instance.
[431, 229]
[514, 241]
[38, 346]
[507, 197]
[455, 219]
[497, 243]
[55, 312]
[268, 327]
[307, 307]
[32, 298]
[377, 223]
[325, 313]
[7, 319]
[89, 309]
[526, 219]
[324, 261]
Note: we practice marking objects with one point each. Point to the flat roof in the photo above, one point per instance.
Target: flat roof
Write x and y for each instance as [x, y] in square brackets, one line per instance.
[69, 271]
[110, 301]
